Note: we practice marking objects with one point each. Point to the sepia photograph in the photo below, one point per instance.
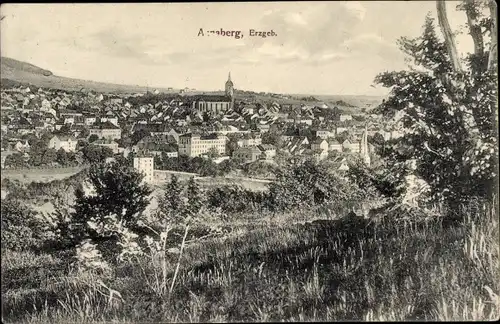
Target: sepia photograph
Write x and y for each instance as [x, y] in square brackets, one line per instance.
[279, 161]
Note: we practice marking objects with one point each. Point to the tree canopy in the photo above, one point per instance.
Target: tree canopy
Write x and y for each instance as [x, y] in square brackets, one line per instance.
[449, 111]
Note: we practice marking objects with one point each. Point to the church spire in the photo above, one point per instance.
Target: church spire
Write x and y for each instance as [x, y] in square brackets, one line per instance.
[229, 77]
[364, 146]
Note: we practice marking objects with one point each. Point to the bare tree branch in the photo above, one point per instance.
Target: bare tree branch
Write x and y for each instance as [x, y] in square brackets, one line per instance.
[448, 35]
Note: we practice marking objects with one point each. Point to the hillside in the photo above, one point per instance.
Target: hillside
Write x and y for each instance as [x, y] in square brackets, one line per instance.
[28, 74]
[14, 72]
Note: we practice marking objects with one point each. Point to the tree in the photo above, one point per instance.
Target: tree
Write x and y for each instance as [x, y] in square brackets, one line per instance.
[448, 109]
[62, 157]
[231, 145]
[15, 160]
[96, 153]
[84, 133]
[64, 130]
[212, 153]
[306, 184]
[118, 191]
[171, 204]
[194, 198]
[48, 157]
[138, 135]
[273, 138]
[93, 138]
[19, 226]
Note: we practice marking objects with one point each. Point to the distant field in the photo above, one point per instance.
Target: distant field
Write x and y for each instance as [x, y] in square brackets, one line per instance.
[40, 175]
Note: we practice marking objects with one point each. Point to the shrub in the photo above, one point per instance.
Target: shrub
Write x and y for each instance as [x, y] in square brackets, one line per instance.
[20, 228]
[308, 184]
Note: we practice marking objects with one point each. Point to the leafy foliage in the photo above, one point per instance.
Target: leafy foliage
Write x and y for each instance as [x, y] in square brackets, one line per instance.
[118, 191]
[20, 228]
[308, 184]
[449, 117]
[235, 199]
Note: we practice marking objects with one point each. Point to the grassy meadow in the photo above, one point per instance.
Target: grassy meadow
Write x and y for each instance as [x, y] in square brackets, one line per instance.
[303, 266]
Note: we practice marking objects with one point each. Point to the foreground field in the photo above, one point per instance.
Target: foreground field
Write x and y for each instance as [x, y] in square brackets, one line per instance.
[272, 270]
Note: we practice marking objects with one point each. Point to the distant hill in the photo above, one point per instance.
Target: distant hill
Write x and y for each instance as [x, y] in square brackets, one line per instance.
[14, 71]
[11, 66]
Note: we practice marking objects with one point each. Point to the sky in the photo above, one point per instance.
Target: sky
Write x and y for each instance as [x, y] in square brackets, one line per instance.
[334, 48]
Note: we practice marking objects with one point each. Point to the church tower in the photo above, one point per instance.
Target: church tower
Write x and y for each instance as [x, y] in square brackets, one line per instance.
[365, 154]
[230, 90]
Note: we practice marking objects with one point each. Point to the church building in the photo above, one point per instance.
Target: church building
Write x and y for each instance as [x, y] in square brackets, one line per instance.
[216, 103]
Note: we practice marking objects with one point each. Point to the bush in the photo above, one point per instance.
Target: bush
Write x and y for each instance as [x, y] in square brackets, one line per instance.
[20, 228]
[308, 184]
[235, 199]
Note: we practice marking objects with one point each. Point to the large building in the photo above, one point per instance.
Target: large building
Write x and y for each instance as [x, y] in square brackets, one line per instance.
[145, 165]
[195, 145]
[67, 143]
[212, 103]
[216, 104]
[106, 130]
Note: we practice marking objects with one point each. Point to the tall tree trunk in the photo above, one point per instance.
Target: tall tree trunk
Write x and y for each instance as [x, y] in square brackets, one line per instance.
[492, 60]
[448, 35]
[476, 34]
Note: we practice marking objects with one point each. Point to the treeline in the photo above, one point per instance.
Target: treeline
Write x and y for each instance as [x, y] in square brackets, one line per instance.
[206, 167]
[42, 156]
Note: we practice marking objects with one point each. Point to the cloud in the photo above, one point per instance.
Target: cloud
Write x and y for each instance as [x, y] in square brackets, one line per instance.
[356, 8]
[313, 34]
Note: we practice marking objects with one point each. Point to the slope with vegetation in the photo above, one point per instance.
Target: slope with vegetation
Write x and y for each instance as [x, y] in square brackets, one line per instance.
[298, 251]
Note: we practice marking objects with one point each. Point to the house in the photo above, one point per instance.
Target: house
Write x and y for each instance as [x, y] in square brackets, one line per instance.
[322, 133]
[63, 113]
[319, 144]
[263, 127]
[106, 130]
[46, 105]
[340, 130]
[335, 146]
[268, 150]
[306, 121]
[67, 143]
[21, 146]
[248, 154]
[158, 148]
[345, 117]
[112, 119]
[174, 134]
[319, 154]
[252, 139]
[90, 119]
[346, 145]
[343, 167]
[193, 145]
[145, 165]
[25, 129]
[116, 100]
[297, 144]
[152, 128]
[111, 144]
[356, 146]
